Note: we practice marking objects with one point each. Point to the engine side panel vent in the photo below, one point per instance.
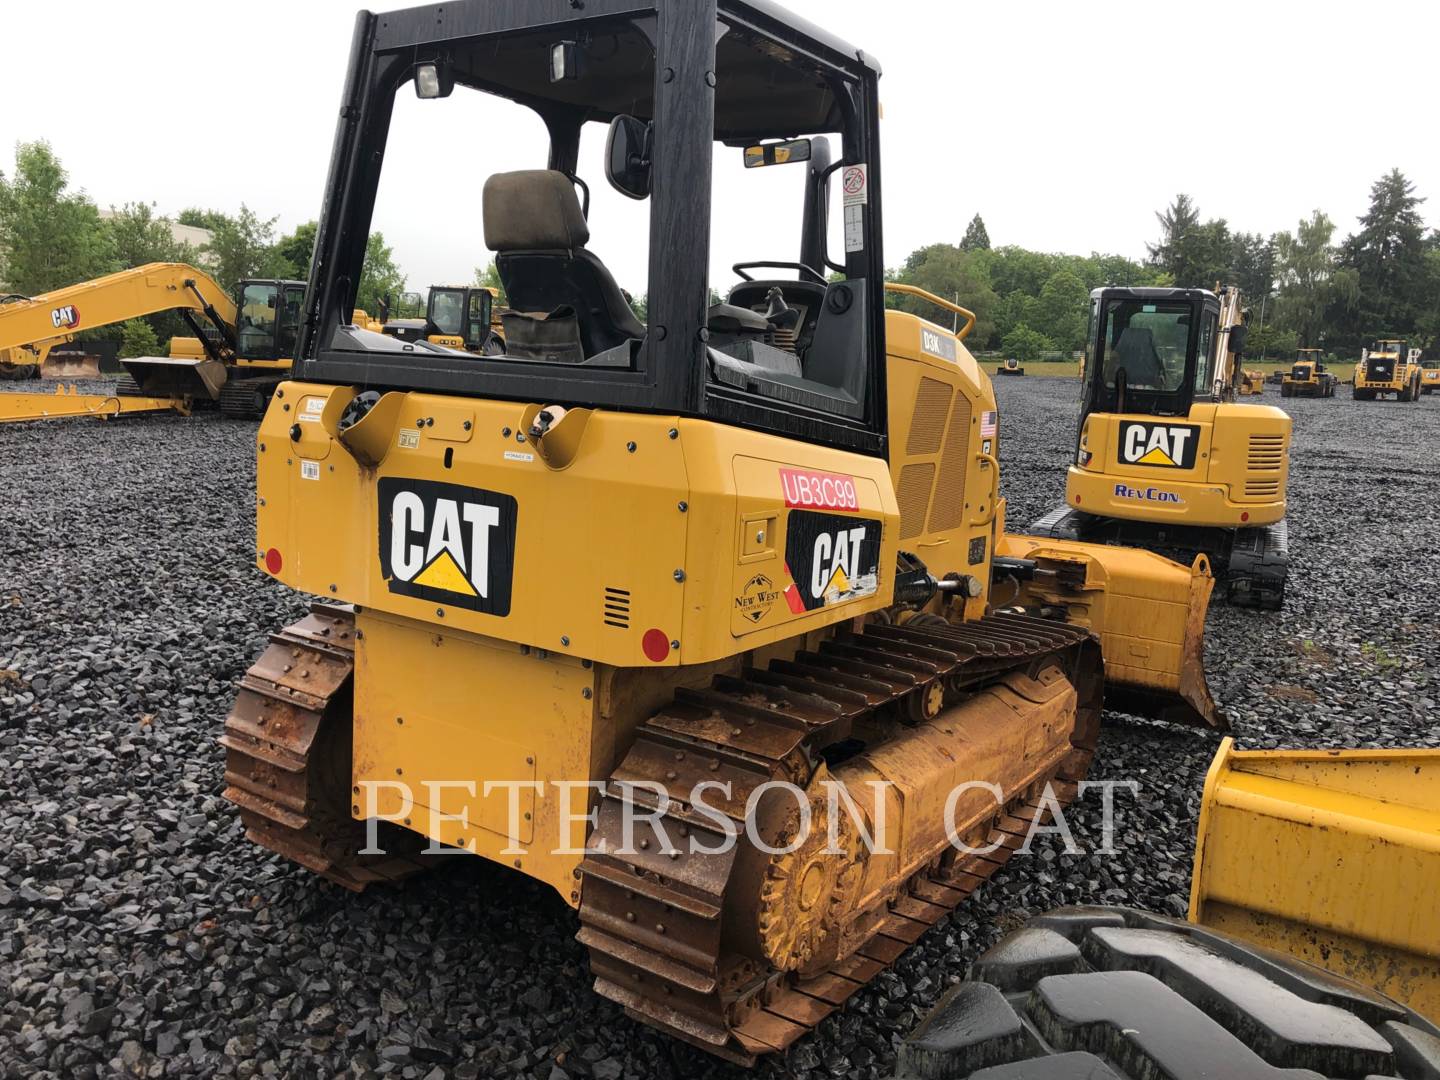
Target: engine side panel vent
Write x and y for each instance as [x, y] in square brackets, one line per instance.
[616, 611]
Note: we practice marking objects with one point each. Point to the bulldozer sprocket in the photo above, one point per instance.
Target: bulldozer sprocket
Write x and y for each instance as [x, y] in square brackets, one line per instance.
[287, 755]
[655, 920]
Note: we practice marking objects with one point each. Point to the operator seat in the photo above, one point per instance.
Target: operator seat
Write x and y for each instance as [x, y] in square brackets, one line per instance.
[534, 225]
[1135, 352]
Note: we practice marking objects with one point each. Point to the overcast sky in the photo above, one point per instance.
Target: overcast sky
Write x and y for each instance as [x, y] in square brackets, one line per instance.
[1066, 125]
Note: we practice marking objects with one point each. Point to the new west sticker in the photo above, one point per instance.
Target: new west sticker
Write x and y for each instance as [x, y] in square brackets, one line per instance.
[448, 544]
[1165, 446]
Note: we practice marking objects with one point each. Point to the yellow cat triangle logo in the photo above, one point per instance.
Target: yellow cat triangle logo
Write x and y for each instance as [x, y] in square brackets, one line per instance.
[1157, 457]
[839, 582]
[445, 573]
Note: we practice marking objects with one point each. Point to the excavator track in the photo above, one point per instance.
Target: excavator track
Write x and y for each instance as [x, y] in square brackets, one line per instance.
[287, 755]
[659, 924]
[247, 398]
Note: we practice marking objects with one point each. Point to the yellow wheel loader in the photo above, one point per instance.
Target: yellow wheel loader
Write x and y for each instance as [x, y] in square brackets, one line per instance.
[456, 316]
[239, 354]
[1307, 377]
[1389, 367]
[1166, 458]
[1010, 367]
[711, 623]
[1429, 376]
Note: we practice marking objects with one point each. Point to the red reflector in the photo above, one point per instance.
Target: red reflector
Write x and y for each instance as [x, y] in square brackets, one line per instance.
[656, 645]
[1077, 500]
[273, 562]
[1245, 515]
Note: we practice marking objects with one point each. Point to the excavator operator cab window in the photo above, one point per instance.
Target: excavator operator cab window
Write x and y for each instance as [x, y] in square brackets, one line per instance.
[292, 304]
[259, 304]
[1151, 351]
[447, 311]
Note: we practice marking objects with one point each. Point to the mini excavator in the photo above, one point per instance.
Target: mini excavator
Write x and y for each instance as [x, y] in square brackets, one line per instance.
[1166, 458]
[757, 544]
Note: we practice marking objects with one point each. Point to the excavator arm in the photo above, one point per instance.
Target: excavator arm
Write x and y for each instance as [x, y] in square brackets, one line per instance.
[129, 294]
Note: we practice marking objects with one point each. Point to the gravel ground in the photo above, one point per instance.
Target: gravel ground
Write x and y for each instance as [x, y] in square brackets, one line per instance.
[141, 935]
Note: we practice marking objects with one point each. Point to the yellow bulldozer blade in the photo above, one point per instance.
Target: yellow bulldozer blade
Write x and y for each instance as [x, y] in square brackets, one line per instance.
[177, 376]
[1148, 611]
[1332, 856]
[63, 365]
[67, 402]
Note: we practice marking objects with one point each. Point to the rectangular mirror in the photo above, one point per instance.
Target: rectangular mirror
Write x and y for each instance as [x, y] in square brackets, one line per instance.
[779, 153]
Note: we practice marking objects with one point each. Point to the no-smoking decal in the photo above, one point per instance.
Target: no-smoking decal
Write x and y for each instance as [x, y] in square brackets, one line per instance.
[856, 181]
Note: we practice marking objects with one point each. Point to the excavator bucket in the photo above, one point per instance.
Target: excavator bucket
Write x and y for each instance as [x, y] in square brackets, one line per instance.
[1332, 856]
[1148, 611]
[177, 376]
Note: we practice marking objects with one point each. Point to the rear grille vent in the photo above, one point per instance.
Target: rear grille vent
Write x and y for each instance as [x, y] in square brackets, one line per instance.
[913, 494]
[927, 426]
[1267, 453]
[948, 511]
[1258, 488]
[617, 608]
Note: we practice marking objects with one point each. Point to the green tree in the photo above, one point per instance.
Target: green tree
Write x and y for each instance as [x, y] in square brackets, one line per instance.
[976, 237]
[952, 274]
[138, 237]
[1195, 254]
[297, 248]
[379, 276]
[1252, 266]
[1387, 256]
[49, 236]
[1310, 282]
[138, 339]
[240, 247]
[488, 277]
[1063, 310]
[201, 219]
[1025, 344]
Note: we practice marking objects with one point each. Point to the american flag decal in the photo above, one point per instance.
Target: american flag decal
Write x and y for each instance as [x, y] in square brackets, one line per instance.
[987, 425]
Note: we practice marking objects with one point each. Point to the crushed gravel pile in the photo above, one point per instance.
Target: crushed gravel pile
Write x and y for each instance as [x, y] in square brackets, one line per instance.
[140, 934]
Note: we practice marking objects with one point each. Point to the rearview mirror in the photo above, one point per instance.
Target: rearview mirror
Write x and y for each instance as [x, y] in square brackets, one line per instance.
[781, 153]
[627, 156]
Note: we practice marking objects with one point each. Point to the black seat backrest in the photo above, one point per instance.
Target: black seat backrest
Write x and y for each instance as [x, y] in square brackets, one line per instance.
[534, 225]
[1135, 352]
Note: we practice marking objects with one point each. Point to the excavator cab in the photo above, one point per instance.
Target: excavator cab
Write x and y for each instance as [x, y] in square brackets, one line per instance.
[1151, 351]
[1165, 457]
[269, 319]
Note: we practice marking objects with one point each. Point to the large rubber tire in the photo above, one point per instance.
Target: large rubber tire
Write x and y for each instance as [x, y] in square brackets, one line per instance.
[1112, 993]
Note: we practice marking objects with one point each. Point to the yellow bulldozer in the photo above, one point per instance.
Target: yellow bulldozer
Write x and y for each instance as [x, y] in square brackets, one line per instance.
[625, 606]
[239, 354]
[1166, 458]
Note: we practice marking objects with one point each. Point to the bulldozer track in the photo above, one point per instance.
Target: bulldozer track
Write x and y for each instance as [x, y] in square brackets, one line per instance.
[287, 754]
[246, 398]
[654, 920]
